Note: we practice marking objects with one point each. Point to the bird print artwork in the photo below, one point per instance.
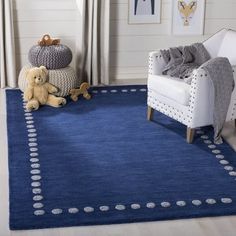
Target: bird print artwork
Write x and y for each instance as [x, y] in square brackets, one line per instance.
[187, 10]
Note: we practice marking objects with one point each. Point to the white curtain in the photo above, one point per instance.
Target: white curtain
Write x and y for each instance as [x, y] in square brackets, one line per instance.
[95, 25]
[7, 46]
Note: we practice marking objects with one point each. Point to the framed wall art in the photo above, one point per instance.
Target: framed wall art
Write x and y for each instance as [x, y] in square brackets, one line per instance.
[144, 11]
[188, 17]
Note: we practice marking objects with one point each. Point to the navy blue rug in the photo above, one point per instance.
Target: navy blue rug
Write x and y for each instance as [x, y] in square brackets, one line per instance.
[101, 162]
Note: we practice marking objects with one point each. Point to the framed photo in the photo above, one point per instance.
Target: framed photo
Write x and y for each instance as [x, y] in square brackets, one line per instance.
[188, 17]
[144, 11]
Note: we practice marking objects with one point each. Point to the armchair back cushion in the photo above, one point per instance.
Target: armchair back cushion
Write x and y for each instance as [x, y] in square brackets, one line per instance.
[222, 44]
[213, 44]
[228, 47]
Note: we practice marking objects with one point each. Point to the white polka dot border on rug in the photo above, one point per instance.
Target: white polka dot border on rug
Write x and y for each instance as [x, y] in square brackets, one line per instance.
[120, 207]
[34, 162]
[150, 205]
[36, 190]
[143, 90]
[57, 211]
[38, 205]
[210, 201]
[35, 171]
[104, 208]
[135, 206]
[207, 142]
[226, 200]
[224, 162]
[200, 132]
[212, 146]
[196, 202]
[220, 156]
[181, 203]
[232, 173]
[39, 212]
[165, 204]
[36, 177]
[228, 168]
[88, 209]
[37, 197]
[35, 184]
[73, 210]
[216, 151]
[35, 165]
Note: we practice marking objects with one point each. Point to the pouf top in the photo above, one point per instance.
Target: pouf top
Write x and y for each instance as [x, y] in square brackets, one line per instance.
[50, 53]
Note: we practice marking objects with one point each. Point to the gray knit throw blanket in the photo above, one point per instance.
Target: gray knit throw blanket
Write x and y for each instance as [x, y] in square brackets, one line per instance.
[220, 72]
[181, 61]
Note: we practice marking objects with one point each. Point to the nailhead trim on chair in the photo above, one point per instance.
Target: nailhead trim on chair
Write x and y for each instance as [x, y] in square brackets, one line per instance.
[167, 109]
[150, 68]
[233, 115]
[192, 98]
[193, 88]
[153, 59]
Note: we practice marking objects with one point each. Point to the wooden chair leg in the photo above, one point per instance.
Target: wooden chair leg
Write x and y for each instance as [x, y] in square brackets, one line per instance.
[149, 113]
[190, 134]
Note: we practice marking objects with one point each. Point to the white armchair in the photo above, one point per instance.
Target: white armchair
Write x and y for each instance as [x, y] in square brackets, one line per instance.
[191, 105]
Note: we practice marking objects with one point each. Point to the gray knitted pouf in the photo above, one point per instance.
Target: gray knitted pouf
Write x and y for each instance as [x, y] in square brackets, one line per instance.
[65, 79]
[52, 57]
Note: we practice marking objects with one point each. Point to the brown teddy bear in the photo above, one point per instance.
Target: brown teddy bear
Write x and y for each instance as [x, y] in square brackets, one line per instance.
[47, 41]
[83, 89]
[38, 91]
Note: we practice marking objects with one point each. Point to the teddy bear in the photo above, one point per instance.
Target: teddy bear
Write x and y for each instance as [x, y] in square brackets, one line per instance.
[39, 91]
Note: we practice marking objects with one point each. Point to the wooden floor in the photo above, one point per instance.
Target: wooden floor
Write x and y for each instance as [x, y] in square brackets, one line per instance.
[225, 226]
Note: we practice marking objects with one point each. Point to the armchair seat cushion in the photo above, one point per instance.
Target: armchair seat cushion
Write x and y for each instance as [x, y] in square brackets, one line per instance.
[170, 87]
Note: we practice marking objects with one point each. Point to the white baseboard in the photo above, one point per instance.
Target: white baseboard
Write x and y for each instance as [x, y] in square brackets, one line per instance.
[128, 82]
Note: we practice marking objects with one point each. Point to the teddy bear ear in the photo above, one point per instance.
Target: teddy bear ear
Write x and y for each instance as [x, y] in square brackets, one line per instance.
[44, 70]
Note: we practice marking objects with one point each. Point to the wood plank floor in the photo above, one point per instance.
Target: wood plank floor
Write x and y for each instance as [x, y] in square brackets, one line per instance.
[217, 226]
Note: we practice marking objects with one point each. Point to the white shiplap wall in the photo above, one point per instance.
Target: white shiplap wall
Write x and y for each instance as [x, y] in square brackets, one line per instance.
[34, 18]
[130, 44]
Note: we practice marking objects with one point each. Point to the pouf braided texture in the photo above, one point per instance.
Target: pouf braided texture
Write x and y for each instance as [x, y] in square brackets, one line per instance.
[52, 57]
[65, 79]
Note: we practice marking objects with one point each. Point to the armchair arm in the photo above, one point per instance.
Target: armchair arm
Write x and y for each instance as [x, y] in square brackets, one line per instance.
[201, 105]
[156, 63]
[201, 100]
